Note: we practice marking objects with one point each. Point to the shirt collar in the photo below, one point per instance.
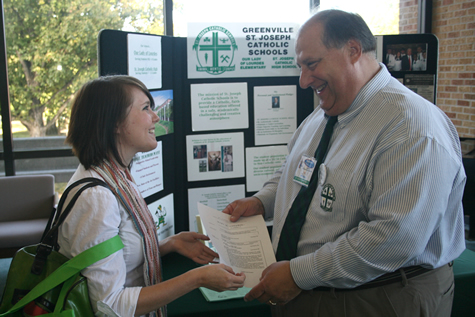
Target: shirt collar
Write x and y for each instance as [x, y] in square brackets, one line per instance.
[376, 83]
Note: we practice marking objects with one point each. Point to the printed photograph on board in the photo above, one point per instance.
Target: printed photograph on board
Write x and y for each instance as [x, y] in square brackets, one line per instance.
[227, 158]
[406, 57]
[214, 161]
[164, 109]
[199, 151]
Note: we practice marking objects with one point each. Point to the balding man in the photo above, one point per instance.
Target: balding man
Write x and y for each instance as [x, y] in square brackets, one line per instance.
[385, 218]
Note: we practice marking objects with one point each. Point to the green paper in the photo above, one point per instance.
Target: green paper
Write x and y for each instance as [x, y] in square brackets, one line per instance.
[213, 296]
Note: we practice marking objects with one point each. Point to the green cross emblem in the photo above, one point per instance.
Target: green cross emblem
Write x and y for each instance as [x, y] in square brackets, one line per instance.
[208, 43]
[327, 197]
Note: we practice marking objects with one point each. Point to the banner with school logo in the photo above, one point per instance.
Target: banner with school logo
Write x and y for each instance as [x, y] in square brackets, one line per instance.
[241, 50]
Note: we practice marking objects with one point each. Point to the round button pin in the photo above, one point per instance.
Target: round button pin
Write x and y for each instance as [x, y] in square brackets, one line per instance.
[322, 174]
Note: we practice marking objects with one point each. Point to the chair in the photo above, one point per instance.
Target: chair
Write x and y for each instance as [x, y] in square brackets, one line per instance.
[26, 203]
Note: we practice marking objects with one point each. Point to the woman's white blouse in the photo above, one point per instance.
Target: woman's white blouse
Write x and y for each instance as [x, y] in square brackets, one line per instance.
[115, 282]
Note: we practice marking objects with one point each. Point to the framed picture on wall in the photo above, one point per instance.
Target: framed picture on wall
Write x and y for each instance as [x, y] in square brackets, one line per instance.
[413, 60]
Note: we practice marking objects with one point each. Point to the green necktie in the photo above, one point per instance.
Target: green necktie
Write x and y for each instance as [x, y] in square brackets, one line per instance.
[290, 235]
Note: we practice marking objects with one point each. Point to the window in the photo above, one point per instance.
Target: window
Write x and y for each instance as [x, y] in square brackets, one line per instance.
[296, 11]
[51, 50]
[382, 17]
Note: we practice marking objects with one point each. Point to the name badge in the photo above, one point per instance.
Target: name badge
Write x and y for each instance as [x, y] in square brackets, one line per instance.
[305, 170]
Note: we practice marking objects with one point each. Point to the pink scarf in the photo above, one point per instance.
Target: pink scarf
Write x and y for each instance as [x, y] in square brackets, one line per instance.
[136, 207]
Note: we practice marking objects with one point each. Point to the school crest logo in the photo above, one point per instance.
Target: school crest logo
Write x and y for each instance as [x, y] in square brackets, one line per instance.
[215, 48]
[327, 197]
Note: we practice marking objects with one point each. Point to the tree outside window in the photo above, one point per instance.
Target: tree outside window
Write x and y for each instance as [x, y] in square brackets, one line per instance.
[52, 51]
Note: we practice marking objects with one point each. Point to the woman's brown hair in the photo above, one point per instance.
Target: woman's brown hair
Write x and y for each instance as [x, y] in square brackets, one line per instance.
[98, 109]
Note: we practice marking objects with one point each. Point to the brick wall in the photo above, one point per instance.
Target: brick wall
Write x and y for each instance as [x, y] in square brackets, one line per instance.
[453, 22]
[408, 16]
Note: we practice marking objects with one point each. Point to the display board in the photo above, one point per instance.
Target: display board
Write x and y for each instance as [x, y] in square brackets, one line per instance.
[229, 133]
[229, 101]
[413, 60]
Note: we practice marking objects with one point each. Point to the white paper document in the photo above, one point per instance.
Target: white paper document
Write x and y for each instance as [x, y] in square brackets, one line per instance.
[147, 171]
[275, 114]
[243, 245]
[217, 197]
[215, 156]
[219, 106]
[163, 214]
[144, 59]
[233, 50]
[261, 164]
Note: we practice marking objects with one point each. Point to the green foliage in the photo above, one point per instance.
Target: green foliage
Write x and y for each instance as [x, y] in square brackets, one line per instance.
[52, 51]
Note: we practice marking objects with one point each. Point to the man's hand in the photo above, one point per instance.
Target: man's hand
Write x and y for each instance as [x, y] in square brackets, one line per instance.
[245, 207]
[276, 285]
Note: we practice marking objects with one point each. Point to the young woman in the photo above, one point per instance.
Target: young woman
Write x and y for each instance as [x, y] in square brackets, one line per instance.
[112, 119]
[397, 62]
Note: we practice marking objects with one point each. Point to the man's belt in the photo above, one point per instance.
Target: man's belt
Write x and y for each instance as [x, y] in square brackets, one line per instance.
[388, 278]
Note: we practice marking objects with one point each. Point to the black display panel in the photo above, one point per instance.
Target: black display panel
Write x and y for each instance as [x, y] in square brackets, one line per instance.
[112, 56]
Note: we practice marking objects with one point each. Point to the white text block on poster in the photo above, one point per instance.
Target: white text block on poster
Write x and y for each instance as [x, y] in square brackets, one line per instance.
[147, 171]
[261, 164]
[219, 106]
[275, 114]
[144, 58]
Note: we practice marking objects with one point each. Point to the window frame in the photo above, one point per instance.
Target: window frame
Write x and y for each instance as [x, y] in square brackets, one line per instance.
[9, 155]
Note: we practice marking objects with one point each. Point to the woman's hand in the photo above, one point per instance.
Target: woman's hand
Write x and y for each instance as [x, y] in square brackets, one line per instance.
[220, 277]
[189, 244]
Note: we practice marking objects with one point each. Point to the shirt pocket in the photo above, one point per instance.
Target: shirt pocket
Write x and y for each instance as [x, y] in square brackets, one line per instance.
[331, 197]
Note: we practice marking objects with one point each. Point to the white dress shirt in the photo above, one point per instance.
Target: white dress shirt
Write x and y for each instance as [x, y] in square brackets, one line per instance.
[395, 170]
